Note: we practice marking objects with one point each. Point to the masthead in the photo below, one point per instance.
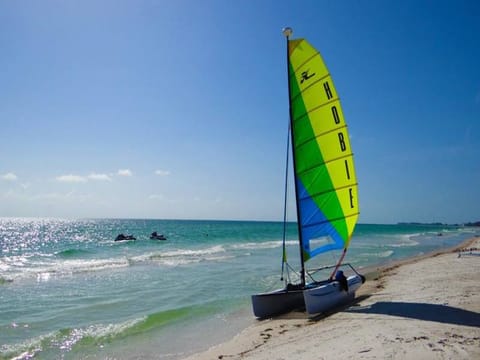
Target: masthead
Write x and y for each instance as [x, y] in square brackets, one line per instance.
[287, 31]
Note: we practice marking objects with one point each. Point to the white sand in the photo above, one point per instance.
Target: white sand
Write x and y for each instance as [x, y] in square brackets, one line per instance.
[427, 308]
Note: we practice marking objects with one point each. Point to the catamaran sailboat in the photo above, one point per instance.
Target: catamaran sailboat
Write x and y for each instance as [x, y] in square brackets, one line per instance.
[325, 188]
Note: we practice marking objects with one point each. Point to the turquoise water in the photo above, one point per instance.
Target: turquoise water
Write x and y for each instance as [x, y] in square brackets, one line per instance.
[68, 291]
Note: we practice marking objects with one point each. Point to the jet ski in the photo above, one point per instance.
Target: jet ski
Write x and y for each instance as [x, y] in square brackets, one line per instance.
[156, 236]
[122, 237]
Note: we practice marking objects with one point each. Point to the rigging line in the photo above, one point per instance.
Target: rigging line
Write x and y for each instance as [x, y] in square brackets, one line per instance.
[284, 255]
[339, 263]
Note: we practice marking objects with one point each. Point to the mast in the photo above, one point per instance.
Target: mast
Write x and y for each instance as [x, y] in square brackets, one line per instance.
[288, 32]
[285, 196]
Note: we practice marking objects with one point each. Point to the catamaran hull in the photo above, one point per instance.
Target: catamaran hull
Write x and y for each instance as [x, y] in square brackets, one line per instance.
[329, 295]
[277, 302]
[315, 298]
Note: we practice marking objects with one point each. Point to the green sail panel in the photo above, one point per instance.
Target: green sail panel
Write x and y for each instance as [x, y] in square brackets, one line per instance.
[325, 175]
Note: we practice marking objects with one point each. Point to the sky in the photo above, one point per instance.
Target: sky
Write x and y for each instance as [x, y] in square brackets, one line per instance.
[179, 109]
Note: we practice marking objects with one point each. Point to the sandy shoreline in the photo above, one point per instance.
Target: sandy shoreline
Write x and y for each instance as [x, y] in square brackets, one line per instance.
[424, 308]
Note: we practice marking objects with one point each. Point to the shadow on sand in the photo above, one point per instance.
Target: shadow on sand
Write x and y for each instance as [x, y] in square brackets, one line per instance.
[301, 314]
[421, 311]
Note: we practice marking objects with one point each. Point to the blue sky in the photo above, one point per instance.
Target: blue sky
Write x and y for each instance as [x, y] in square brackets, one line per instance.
[178, 109]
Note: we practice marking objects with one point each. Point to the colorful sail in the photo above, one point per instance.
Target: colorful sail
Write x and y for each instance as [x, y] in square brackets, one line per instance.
[327, 200]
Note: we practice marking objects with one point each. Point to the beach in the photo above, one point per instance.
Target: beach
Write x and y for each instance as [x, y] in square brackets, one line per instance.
[427, 307]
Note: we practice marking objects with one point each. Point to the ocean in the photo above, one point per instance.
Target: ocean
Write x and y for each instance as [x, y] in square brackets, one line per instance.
[69, 291]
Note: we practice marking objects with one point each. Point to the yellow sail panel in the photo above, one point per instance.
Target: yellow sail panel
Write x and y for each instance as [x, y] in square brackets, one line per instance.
[335, 145]
[313, 178]
[319, 92]
[333, 111]
[306, 58]
[303, 52]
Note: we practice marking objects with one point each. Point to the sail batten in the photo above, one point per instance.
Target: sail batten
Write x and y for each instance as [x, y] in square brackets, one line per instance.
[311, 85]
[326, 162]
[307, 60]
[321, 134]
[328, 191]
[320, 223]
[301, 117]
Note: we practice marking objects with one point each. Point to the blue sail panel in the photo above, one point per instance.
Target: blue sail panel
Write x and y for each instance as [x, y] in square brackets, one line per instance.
[315, 225]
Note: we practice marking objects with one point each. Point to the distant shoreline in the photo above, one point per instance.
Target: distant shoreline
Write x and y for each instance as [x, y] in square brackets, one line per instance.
[376, 272]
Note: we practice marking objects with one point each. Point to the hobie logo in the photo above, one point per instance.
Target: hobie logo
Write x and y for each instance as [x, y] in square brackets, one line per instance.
[328, 92]
[336, 117]
[341, 140]
[305, 76]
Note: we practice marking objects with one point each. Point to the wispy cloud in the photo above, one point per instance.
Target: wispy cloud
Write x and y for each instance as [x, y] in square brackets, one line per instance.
[124, 172]
[9, 177]
[99, 177]
[162, 172]
[71, 178]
